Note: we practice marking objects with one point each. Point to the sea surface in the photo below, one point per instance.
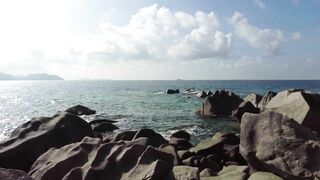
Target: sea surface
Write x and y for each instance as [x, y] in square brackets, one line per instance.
[134, 104]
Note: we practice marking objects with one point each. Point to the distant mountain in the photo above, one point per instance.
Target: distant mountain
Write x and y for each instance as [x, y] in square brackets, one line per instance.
[42, 76]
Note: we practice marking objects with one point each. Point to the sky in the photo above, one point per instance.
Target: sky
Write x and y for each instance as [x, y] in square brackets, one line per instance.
[160, 40]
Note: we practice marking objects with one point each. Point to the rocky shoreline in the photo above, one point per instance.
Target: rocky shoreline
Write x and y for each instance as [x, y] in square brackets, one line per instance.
[279, 139]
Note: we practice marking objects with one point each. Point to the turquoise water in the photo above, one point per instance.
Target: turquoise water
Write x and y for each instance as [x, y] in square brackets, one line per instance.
[134, 104]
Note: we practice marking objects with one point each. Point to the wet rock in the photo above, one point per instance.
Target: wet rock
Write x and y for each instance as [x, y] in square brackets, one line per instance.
[221, 103]
[190, 90]
[99, 121]
[244, 107]
[91, 159]
[181, 134]
[273, 142]
[185, 173]
[80, 110]
[172, 91]
[33, 138]
[13, 174]
[156, 138]
[253, 98]
[215, 144]
[265, 99]
[125, 136]
[264, 176]
[104, 127]
[300, 105]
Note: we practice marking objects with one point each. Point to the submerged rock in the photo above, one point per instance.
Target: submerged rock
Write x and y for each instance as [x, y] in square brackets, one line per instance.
[244, 107]
[300, 105]
[33, 138]
[273, 142]
[172, 91]
[91, 159]
[265, 99]
[80, 110]
[221, 103]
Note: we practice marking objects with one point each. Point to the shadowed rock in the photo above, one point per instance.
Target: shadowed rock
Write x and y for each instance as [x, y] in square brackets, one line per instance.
[300, 105]
[99, 121]
[181, 135]
[104, 127]
[156, 138]
[33, 138]
[13, 174]
[80, 110]
[221, 103]
[273, 142]
[125, 136]
[243, 108]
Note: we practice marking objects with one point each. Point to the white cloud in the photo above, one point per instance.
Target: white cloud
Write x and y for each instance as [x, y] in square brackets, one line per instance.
[296, 36]
[269, 40]
[259, 3]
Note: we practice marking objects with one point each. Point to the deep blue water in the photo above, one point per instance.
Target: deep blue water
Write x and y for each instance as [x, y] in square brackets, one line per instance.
[135, 104]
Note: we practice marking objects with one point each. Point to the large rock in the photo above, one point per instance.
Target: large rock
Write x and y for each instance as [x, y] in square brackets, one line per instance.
[266, 98]
[173, 91]
[300, 105]
[35, 137]
[215, 144]
[264, 176]
[273, 142]
[80, 110]
[92, 159]
[13, 174]
[244, 107]
[253, 98]
[185, 173]
[221, 103]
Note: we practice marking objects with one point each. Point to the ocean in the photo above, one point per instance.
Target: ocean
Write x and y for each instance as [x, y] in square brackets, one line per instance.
[134, 104]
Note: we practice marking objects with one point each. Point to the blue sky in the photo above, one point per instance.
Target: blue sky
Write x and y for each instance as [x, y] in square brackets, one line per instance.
[170, 39]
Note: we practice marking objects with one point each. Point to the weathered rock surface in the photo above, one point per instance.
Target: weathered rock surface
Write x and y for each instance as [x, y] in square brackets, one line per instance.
[244, 107]
[273, 142]
[300, 105]
[186, 173]
[80, 110]
[253, 98]
[13, 174]
[264, 176]
[265, 99]
[92, 159]
[35, 137]
[221, 103]
[104, 127]
[173, 91]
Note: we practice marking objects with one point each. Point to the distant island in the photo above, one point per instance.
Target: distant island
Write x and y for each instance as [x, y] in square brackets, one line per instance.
[39, 76]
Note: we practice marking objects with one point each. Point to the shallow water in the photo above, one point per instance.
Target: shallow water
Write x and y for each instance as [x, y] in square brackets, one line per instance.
[134, 104]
